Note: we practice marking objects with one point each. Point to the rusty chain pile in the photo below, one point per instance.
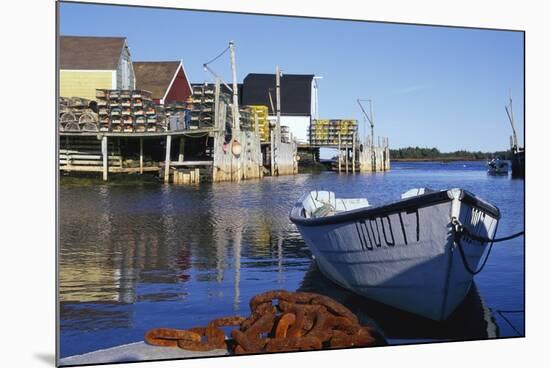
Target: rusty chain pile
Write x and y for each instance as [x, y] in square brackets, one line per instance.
[280, 321]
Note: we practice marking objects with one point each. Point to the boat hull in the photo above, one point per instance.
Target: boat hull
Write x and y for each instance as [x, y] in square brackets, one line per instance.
[403, 254]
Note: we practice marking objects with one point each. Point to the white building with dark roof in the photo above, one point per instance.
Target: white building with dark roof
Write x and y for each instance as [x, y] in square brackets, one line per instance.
[297, 99]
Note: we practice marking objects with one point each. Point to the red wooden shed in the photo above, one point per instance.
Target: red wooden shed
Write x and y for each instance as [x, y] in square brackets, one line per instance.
[166, 80]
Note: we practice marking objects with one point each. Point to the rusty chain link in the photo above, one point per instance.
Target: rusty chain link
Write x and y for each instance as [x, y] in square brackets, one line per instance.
[280, 321]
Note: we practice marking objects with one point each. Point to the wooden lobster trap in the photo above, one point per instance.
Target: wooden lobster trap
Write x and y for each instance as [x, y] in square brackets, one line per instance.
[126, 111]
[77, 114]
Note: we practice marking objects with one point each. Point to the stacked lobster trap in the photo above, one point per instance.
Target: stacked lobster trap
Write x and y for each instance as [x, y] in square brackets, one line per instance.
[203, 106]
[128, 111]
[77, 114]
[259, 114]
[323, 132]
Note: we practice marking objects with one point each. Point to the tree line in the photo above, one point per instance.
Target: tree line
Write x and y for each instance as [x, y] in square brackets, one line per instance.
[434, 153]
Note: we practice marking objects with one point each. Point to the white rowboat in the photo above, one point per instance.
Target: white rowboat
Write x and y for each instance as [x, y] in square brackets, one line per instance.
[403, 253]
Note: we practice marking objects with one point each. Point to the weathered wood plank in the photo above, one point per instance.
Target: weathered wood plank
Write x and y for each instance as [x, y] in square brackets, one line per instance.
[104, 152]
[141, 155]
[167, 159]
[112, 169]
[191, 163]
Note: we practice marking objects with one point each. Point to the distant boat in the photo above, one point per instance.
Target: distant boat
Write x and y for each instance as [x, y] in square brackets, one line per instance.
[403, 253]
[497, 166]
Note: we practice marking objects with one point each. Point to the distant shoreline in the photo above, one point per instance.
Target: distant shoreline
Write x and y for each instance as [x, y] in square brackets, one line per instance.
[437, 159]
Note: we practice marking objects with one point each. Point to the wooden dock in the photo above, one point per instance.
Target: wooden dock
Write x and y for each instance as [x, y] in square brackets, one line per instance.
[353, 156]
[221, 152]
[102, 151]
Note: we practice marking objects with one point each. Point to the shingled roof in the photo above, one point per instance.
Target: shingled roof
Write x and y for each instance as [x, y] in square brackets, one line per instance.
[155, 76]
[93, 53]
[295, 92]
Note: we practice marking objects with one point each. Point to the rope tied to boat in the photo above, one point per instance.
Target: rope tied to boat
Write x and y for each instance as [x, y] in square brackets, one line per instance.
[459, 232]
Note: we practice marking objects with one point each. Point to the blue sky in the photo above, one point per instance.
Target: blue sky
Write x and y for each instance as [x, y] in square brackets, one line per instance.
[431, 86]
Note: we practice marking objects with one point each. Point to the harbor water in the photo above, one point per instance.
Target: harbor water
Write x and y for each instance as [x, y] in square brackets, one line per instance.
[136, 256]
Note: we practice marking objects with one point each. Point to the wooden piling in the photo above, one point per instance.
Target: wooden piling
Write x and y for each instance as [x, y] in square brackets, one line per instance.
[272, 152]
[120, 160]
[339, 152]
[104, 154]
[167, 159]
[346, 158]
[141, 155]
[353, 153]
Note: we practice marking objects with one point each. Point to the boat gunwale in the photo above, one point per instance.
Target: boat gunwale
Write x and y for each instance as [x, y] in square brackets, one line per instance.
[409, 204]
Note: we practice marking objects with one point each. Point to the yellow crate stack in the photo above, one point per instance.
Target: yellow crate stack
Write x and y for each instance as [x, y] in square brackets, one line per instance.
[262, 113]
[320, 130]
[326, 132]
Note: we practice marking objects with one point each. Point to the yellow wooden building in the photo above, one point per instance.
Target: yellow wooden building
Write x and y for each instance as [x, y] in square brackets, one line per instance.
[90, 63]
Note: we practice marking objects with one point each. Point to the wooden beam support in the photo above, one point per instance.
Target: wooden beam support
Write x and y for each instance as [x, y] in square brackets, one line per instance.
[339, 152]
[104, 154]
[141, 155]
[353, 154]
[167, 159]
[346, 158]
[272, 153]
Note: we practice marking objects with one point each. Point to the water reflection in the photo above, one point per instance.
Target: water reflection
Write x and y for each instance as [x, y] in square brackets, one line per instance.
[471, 320]
[137, 257]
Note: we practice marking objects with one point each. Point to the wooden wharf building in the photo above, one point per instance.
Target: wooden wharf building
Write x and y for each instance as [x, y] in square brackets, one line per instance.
[209, 148]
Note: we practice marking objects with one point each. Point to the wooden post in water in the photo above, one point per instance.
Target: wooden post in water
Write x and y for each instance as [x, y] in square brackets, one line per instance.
[167, 159]
[219, 124]
[278, 95]
[346, 158]
[120, 161]
[141, 155]
[339, 153]
[104, 155]
[258, 155]
[272, 152]
[353, 154]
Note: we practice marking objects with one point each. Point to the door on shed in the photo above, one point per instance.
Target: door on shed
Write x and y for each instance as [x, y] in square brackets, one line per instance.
[125, 83]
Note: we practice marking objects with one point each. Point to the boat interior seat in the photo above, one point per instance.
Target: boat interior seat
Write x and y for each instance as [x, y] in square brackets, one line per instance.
[348, 204]
[320, 203]
[416, 192]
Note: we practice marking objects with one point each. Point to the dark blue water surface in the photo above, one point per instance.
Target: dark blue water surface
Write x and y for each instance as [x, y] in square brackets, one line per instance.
[134, 257]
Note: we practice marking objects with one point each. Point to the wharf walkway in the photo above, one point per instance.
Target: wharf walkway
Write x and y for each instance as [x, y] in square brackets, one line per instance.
[137, 351]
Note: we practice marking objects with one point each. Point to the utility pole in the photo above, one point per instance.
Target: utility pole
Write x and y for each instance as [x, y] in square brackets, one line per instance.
[511, 118]
[235, 91]
[316, 86]
[369, 117]
[371, 122]
[278, 93]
